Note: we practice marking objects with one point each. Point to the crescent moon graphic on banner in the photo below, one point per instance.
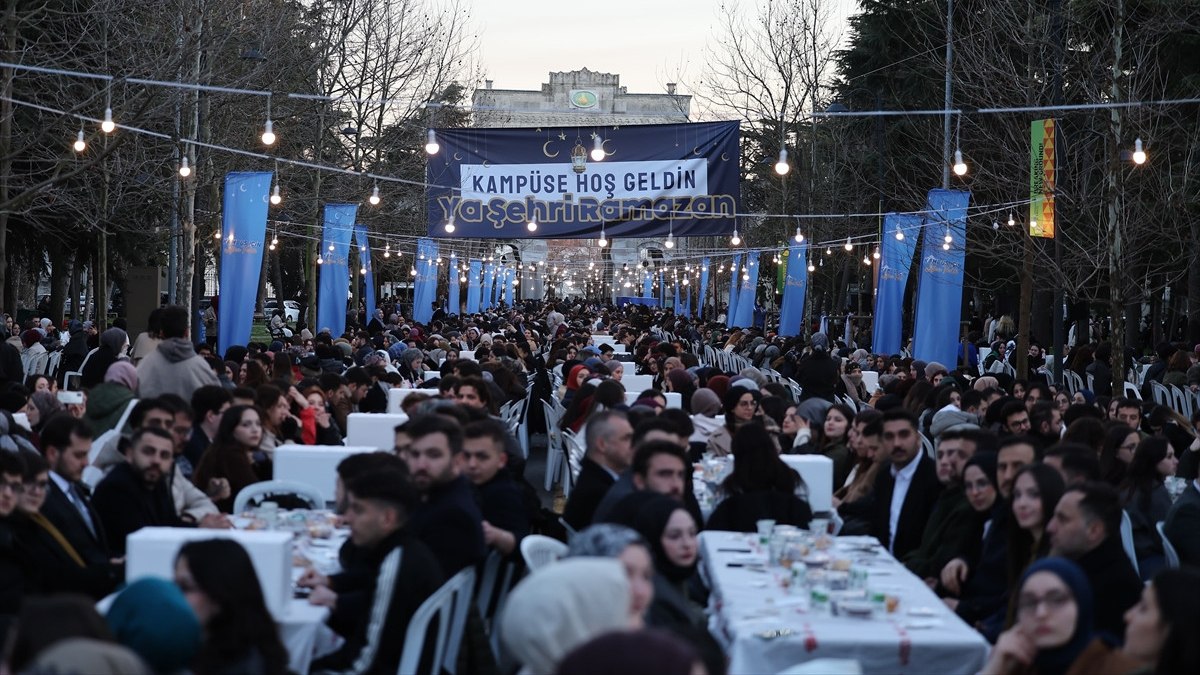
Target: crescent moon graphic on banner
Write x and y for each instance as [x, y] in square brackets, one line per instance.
[724, 158]
[486, 163]
[606, 152]
[242, 187]
[457, 157]
[547, 152]
[696, 150]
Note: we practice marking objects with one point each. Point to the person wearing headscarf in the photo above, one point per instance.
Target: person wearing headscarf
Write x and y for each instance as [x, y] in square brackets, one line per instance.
[151, 617]
[671, 530]
[42, 404]
[412, 368]
[575, 378]
[817, 373]
[106, 402]
[741, 405]
[571, 602]
[113, 343]
[1053, 621]
[609, 540]
[719, 384]
[681, 382]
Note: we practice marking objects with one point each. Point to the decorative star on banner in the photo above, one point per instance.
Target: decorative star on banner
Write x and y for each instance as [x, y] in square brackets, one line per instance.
[562, 135]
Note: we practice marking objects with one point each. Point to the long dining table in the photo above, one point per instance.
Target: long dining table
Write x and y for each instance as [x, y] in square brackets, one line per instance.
[768, 618]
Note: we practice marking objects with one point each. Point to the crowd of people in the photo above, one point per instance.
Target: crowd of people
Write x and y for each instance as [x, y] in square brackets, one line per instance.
[1006, 496]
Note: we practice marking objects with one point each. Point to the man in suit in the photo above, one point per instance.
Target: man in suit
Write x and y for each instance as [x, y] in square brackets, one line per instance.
[609, 452]
[66, 442]
[1182, 525]
[907, 489]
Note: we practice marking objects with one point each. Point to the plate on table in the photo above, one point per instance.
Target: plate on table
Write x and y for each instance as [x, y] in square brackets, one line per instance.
[922, 611]
[923, 624]
[859, 609]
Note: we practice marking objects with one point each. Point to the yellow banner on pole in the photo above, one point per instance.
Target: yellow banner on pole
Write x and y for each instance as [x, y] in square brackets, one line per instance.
[1041, 178]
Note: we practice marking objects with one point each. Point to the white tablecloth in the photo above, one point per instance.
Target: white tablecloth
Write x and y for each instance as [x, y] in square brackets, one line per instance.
[305, 634]
[922, 636]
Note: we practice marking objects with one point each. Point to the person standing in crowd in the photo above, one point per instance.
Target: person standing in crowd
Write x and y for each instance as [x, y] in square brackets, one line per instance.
[174, 367]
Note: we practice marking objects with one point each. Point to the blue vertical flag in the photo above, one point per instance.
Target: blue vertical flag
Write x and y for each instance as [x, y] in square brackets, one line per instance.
[364, 256]
[747, 290]
[647, 285]
[687, 296]
[795, 290]
[676, 306]
[425, 286]
[939, 286]
[735, 283]
[455, 285]
[473, 287]
[507, 289]
[243, 231]
[702, 297]
[487, 298]
[662, 289]
[895, 260]
[493, 289]
[334, 282]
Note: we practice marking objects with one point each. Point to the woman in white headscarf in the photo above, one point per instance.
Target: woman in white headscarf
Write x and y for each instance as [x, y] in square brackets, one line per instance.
[562, 606]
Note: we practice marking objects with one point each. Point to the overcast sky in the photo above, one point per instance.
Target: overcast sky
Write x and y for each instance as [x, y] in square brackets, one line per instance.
[647, 42]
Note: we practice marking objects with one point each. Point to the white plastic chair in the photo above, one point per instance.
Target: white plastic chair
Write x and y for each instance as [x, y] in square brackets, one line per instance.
[554, 445]
[308, 493]
[494, 585]
[1168, 549]
[450, 605]
[1127, 539]
[540, 551]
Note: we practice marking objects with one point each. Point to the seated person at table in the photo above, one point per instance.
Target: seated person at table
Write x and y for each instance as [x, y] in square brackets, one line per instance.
[13, 583]
[1053, 621]
[407, 573]
[448, 519]
[505, 517]
[952, 517]
[855, 501]
[66, 442]
[760, 486]
[609, 452]
[228, 466]
[192, 505]
[135, 494]
[906, 490]
[208, 404]
[240, 635]
[659, 432]
[1182, 525]
[147, 412]
[1086, 528]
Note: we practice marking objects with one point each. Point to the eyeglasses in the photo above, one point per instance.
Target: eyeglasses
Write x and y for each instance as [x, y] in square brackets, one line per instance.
[1028, 604]
[16, 488]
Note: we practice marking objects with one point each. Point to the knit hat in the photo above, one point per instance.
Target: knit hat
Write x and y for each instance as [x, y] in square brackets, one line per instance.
[952, 418]
[933, 368]
[719, 384]
[705, 402]
[123, 373]
[152, 618]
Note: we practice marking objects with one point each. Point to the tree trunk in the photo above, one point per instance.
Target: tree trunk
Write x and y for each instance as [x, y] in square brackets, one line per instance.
[1026, 322]
[73, 290]
[1115, 252]
[6, 110]
[58, 283]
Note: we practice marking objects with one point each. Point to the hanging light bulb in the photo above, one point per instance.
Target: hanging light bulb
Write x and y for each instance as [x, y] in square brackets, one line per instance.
[268, 134]
[960, 167]
[782, 167]
[450, 225]
[811, 267]
[849, 246]
[866, 260]
[670, 242]
[948, 238]
[431, 143]
[463, 278]
[374, 198]
[735, 239]
[362, 249]
[320, 260]
[80, 145]
[387, 251]
[217, 235]
[1033, 224]
[899, 235]
[799, 237]
[745, 276]
[828, 250]
[412, 271]
[1139, 153]
[531, 225]
[271, 247]
[107, 126]
[602, 242]
[331, 248]
[275, 197]
[875, 255]
[363, 271]
[184, 169]
[1011, 221]
[995, 225]
[597, 148]
[946, 246]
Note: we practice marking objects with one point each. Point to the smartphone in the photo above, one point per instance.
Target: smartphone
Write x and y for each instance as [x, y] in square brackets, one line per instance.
[70, 397]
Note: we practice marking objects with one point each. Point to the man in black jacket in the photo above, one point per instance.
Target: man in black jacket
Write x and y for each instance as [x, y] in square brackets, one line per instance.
[505, 517]
[135, 493]
[448, 521]
[66, 442]
[906, 489]
[399, 573]
[609, 452]
[1086, 527]
[13, 563]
